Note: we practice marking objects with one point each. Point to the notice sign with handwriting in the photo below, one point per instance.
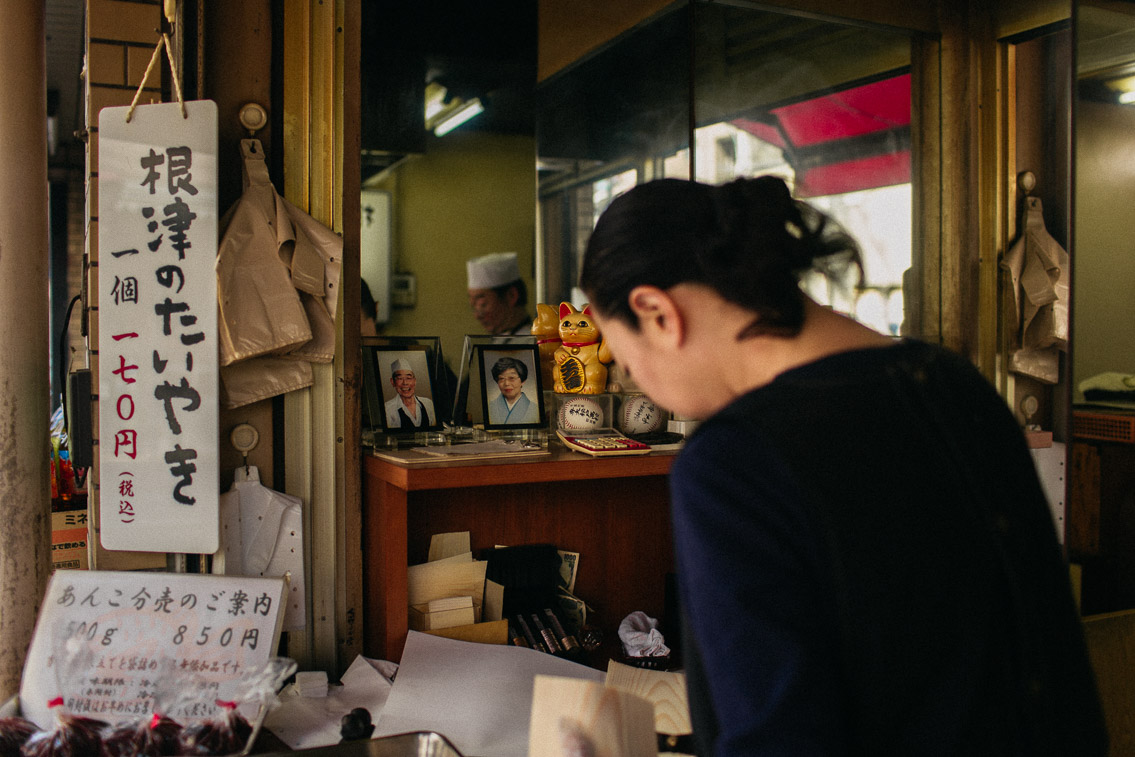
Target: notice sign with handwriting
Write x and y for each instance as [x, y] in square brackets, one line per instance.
[118, 645]
[159, 485]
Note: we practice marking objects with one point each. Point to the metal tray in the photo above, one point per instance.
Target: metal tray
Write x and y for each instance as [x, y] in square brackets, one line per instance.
[416, 744]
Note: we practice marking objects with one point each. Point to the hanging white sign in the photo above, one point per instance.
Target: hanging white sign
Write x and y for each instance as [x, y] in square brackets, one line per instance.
[157, 297]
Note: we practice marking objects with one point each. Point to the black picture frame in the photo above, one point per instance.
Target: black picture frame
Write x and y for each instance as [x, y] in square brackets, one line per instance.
[380, 359]
[496, 361]
[467, 384]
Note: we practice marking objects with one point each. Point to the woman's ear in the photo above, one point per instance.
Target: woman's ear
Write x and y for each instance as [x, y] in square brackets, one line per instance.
[658, 315]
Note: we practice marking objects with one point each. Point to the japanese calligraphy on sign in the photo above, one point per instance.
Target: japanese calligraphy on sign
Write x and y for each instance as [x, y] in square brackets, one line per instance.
[109, 642]
[158, 424]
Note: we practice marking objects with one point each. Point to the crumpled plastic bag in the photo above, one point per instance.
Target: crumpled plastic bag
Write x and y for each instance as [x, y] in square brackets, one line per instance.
[641, 637]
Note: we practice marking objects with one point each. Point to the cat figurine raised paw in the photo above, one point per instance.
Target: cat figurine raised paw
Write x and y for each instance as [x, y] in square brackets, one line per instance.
[582, 357]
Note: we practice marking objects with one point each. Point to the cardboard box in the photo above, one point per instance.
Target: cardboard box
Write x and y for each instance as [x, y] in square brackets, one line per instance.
[489, 632]
[442, 613]
[69, 540]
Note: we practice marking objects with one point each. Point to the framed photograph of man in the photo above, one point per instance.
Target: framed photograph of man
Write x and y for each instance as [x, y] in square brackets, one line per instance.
[406, 390]
[512, 396]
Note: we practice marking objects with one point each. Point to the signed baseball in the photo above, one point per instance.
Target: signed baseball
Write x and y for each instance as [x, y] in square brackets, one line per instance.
[639, 415]
[580, 414]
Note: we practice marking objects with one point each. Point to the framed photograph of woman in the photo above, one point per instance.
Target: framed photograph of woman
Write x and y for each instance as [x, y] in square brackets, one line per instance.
[511, 393]
[403, 374]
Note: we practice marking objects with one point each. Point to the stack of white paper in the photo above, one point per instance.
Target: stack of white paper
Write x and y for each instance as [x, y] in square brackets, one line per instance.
[312, 683]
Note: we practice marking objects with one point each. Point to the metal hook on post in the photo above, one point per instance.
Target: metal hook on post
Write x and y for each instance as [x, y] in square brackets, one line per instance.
[1026, 181]
[253, 117]
[244, 437]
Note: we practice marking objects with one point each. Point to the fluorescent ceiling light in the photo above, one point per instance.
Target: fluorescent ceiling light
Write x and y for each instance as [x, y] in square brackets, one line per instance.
[455, 118]
[435, 100]
[1123, 87]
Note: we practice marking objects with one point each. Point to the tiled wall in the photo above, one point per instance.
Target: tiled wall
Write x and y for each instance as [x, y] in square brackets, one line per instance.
[121, 38]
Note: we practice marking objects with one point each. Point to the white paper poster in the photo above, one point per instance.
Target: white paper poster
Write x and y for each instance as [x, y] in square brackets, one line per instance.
[157, 298]
[117, 644]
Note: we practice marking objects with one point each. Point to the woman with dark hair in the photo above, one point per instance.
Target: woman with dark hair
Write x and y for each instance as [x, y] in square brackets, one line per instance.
[512, 405]
[867, 563]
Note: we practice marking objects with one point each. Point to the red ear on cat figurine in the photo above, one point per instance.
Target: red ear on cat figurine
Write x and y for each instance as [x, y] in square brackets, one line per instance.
[582, 357]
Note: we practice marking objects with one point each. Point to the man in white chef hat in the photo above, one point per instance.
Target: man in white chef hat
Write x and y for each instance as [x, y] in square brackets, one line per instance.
[497, 294]
[406, 410]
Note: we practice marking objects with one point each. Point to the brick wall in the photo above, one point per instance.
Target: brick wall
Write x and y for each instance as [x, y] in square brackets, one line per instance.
[121, 38]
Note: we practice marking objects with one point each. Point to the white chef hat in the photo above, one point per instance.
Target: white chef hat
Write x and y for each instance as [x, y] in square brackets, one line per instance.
[493, 270]
[400, 365]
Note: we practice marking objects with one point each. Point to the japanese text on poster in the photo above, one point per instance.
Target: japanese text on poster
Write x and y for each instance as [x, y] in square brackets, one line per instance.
[158, 424]
[112, 644]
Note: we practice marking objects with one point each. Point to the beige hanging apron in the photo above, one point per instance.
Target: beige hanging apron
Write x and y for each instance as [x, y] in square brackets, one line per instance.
[1038, 270]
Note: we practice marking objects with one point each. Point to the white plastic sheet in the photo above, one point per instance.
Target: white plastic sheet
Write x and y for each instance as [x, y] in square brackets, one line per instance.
[262, 535]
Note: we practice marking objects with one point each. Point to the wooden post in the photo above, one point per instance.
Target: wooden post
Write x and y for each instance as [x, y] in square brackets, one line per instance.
[25, 509]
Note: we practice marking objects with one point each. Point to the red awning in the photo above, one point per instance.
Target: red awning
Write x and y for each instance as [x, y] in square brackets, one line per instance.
[858, 138]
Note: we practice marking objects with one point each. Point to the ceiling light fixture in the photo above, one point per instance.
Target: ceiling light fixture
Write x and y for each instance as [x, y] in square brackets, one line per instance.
[443, 117]
[1123, 87]
[455, 118]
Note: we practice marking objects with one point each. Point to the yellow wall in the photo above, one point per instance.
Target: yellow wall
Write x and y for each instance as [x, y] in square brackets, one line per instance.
[1103, 265]
[470, 194]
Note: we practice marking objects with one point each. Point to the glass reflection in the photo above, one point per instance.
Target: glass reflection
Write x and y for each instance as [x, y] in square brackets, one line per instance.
[826, 106]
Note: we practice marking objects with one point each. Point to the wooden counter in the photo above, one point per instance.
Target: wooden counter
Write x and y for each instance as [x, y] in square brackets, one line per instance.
[613, 511]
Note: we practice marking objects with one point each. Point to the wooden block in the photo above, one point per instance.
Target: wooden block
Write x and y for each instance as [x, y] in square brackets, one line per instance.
[573, 716]
[666, 690]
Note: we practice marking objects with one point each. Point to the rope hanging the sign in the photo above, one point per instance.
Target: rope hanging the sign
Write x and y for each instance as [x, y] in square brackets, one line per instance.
[163, 42]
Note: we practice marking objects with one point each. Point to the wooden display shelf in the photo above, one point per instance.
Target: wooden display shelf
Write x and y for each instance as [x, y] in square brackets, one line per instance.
[613, 511]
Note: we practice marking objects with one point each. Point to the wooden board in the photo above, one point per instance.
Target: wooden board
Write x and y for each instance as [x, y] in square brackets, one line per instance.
[666, 690]
[574, 717]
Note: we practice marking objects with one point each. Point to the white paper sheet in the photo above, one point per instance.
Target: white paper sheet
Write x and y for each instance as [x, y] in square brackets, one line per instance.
[306, 722]
[478, 696]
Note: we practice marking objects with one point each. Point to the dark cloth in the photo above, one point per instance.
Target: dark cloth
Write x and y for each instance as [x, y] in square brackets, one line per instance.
[405, 421]
[868, 566]
[522, 328]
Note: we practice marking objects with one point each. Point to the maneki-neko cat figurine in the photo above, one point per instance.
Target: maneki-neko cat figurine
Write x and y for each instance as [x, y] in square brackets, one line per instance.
[582, 357]
[546, 329]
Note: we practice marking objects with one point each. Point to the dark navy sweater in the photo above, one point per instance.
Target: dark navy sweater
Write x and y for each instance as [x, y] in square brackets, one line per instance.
[868, 566]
